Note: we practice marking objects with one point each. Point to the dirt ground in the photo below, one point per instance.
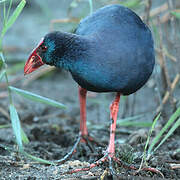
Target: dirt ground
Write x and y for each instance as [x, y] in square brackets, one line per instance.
[52, 132]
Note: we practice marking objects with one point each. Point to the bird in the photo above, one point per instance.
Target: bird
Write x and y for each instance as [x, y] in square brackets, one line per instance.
[111, 50]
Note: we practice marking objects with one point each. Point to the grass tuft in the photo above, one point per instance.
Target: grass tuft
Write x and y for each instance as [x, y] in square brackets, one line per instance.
[20, 135]
[172, 119]
[8, 22]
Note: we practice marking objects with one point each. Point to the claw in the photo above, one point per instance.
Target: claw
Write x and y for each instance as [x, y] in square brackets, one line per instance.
[85, 139]
[109, 158]
[69, 154]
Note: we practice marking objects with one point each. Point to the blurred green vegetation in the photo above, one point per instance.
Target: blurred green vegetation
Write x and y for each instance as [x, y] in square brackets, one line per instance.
[21, 138]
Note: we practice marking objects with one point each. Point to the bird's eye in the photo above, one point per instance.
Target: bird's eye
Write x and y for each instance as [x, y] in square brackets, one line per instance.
[43, 48]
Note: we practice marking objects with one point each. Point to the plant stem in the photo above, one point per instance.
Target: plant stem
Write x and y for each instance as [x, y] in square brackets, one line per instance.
[4, 12]
[6, 77]
[91, 6]
[10, 5]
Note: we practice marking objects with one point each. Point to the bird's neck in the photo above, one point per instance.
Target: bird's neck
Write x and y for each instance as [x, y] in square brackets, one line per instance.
[70, 49]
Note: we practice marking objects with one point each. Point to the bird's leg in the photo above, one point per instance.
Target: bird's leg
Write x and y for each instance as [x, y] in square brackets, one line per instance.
[82, 100]
[83, 127]
[83, 134]
[109, 154]
[85, 138]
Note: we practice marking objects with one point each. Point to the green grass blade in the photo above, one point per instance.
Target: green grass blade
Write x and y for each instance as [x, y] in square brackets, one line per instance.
[25, 139]
[154, 122]
[1, 64]
[2, 74]
[150, 133]
[5, 126]
[173, 128]
[13, 17]
[176, 14]
[4, 13]
[40, 160]
[166, 126]
[131, 3]
[2, 58]
[128, 119]
[91, 6]
[134, 123]
[16, 126]
[37, 98]
[131, 118]
[9, 8]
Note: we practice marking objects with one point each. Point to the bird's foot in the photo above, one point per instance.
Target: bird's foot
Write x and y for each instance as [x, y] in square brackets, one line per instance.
[112, 160]
[88, 140]
[106, 157]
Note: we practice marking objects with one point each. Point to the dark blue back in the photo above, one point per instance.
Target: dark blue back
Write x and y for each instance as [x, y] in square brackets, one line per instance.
[121, 54]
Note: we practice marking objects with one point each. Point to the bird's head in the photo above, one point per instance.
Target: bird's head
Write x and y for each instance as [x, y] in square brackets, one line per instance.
[46, 52]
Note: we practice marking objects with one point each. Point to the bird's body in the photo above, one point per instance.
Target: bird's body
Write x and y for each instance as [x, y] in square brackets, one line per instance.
[111, 51]
[121, 58]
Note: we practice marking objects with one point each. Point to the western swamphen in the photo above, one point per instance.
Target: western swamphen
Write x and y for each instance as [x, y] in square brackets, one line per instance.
[110, 51]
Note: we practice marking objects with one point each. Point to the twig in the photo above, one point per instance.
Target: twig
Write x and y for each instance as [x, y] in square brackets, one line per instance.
[173, 85]
[66, 20]
[172, 20]
[158, 10]
[171, 57]
[167, 86]
[165, 75]
[16, 79]
[3, 94]
[167, 94]
[175, 166]
[174, 33]
[4, 112]
[125, 107]
[133, 104]
[147, 11]
[163, 19]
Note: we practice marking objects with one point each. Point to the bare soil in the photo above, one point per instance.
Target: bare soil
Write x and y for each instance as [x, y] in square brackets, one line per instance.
[52, 133]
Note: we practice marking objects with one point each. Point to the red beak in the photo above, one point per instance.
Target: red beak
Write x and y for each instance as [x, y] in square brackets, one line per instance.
[34, 61]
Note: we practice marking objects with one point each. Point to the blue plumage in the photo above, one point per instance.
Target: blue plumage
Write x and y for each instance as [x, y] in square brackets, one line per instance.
[111, 51]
